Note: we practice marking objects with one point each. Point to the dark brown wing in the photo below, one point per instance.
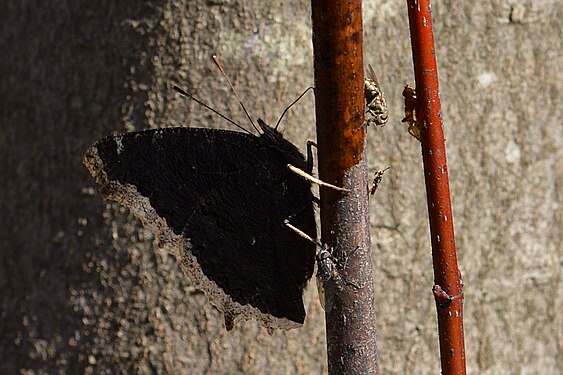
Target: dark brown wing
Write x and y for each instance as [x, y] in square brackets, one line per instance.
[220, 198]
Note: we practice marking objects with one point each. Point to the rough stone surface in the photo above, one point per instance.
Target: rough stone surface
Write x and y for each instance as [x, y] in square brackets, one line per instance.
[85, 289]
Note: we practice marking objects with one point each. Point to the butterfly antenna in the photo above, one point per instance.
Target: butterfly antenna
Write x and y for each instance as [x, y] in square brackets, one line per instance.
[291, 105]
[216, 59]
[184, 93]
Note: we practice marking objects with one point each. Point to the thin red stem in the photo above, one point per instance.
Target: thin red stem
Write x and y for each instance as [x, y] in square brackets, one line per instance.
[447, 289]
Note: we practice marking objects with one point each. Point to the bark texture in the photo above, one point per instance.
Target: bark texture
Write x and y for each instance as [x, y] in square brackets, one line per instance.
[86, 290]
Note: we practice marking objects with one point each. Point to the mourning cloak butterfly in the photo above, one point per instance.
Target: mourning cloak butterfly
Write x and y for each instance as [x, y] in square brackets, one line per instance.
[219, 199]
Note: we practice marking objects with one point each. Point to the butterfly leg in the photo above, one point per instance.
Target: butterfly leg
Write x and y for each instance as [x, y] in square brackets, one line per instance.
[307, 174]
[301, 233]
[313, 179]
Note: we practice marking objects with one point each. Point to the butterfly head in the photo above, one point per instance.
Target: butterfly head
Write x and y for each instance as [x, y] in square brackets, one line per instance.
[270, 132]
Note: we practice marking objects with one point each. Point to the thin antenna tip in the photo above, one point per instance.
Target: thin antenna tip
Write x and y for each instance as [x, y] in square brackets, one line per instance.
[178, 89]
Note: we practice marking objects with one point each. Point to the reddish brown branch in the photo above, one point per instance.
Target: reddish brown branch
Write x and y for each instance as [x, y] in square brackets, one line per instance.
[447, 290]
[339, 94]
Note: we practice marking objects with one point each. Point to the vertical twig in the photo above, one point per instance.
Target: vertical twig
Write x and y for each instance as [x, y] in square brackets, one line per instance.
[447, 290]
[339, 95]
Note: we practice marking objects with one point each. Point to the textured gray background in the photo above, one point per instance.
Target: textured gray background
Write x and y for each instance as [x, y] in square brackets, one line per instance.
[86, 290]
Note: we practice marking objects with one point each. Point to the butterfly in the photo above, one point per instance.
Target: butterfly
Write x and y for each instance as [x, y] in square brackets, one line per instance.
[219, 199]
